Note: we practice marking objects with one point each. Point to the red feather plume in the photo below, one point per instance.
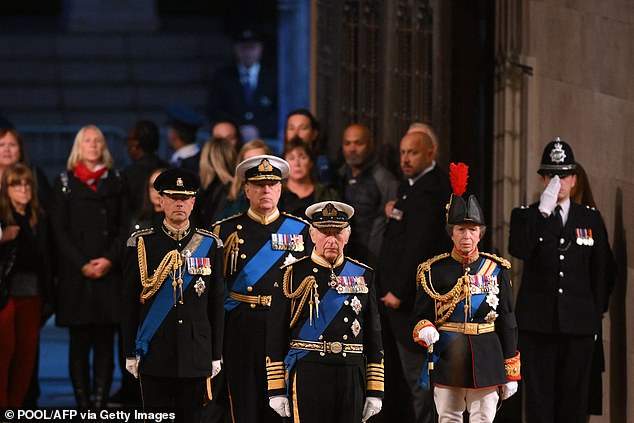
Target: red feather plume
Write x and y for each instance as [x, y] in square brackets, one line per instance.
[458, 175]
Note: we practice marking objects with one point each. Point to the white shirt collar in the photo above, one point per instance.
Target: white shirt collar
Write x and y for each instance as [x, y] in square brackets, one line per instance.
[185, 152]
[412, 181]
[253, 71]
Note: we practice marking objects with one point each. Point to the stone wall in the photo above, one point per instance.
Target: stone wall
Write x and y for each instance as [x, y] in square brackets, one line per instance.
[583, 91]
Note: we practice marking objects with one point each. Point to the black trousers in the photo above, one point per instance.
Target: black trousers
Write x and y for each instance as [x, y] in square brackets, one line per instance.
[166, 394]
[245, 359]
[556, 374]
[324, 393]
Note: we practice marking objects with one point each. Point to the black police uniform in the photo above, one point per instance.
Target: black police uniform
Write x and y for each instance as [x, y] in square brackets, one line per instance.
[560, 299]
[177, 358]
[247, 237]
[327, 378]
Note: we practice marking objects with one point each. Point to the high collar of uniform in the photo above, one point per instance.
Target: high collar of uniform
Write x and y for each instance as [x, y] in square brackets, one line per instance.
[320, 260]
[176, 234]
[468, 259]
[260, 218]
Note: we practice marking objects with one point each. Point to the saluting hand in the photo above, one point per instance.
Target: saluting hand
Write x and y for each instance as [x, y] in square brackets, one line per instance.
[548, 199]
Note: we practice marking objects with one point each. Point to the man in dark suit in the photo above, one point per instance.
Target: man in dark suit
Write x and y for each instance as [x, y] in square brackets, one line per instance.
[182, 127]
[172, 318]
[415, 232]
[246, 91]
[257, 242]
[564, 248]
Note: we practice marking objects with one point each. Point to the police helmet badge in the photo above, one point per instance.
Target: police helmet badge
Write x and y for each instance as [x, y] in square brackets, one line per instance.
[557, 154]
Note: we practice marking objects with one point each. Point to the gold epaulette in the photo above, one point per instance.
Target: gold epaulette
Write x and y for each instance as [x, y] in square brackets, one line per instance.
[295, 217]
[290, 264]
[359, 263]
[131, 242]
[504, 262]
[210, 234]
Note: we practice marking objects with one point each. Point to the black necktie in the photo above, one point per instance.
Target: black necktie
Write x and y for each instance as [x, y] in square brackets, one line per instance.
[560, 221]
[247, 86]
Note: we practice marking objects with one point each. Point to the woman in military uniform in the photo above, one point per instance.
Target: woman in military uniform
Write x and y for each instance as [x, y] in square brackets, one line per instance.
[465, 318]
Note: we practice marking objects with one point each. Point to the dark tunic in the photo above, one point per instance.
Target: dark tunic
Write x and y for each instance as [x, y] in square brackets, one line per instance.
[89, 224]
[355, 322]
[245, 325]
[471, 361]
[191, 334]
[559, 307]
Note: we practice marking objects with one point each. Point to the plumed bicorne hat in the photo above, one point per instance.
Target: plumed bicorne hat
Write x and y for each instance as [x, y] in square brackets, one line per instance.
[459, 211]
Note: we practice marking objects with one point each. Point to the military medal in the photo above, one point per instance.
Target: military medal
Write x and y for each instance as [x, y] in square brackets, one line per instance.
[356, 328]
[351, 285]
[333, 278]
[584, 236]
[200, 286]
[199, 266]
[356, 305]
[288, 242]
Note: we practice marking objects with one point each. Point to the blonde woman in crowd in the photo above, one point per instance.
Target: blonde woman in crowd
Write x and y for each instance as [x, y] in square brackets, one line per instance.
[217, 165]
[90, 227]
[237, 202]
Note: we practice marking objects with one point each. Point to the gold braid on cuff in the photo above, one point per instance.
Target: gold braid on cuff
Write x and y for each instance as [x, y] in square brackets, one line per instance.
[512, 366]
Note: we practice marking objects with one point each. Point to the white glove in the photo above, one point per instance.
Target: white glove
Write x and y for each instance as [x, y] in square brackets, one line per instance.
[131, 366]
[429, 335]
[508, 389]
[548, 199]
[281, 405]
[371, 407]
[215, 368]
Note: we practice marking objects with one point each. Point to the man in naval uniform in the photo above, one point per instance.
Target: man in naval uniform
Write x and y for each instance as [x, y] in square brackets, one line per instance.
[257, 243]
[465, 318]
[564, 248]
[173, 315]
[324, 352]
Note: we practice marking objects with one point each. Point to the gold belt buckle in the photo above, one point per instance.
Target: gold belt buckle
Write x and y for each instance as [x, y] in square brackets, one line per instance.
[470, 328]
[336, 347]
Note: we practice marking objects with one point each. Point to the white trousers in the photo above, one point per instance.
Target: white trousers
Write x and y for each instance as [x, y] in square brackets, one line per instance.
[451, 403]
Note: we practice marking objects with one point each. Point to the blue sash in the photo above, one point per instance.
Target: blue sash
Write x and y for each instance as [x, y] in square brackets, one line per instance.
[164, 301]
[448, 338]
[330, 305]
[261, 263]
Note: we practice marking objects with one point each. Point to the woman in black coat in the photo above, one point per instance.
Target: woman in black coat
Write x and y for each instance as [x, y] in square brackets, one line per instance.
[90, 227]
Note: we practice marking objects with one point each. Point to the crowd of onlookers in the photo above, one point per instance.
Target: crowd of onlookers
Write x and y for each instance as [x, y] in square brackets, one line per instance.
[62, 240]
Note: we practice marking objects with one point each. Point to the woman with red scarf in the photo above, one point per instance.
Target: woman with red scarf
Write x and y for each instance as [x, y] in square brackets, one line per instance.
[90, 229]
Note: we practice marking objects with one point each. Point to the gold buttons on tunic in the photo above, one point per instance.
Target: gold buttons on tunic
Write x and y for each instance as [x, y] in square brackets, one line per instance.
[239, 227]
[241, 241]
[345, 319]
[252, 305]
[249, 288]
[315, 270]
[345, 337]
[243, 256]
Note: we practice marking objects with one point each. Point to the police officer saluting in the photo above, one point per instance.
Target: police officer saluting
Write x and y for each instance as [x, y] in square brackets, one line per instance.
[172, 307]
[464, 310]
[324, 332]
[564, 248]
[257, 243]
